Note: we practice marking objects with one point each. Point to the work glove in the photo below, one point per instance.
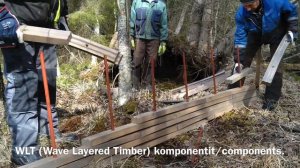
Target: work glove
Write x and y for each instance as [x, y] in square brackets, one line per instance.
[236, 68]
[132, 42]
[162, 48]
[8, 29]
[291, 37]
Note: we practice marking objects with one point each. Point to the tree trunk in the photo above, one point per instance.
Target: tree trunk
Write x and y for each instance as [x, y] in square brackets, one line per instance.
[181, 20]
[204, 41]
[96, 31]
[196, 14]
[124, 66]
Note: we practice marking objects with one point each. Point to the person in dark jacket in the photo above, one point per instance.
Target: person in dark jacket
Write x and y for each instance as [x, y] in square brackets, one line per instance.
[261, 22]
[149, 32]
[24, 92]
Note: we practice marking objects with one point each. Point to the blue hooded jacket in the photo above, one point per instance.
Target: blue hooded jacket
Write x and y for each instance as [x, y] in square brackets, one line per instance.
[274, 13]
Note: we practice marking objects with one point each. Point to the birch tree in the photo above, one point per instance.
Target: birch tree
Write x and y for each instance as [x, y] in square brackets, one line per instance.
[124, 49]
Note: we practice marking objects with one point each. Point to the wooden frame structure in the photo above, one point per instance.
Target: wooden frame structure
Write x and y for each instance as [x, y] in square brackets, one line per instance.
[152, 128]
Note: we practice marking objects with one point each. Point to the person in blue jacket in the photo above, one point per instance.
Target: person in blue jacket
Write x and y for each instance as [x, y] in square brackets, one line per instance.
[149, 33]
[26, 108]
[261, 22]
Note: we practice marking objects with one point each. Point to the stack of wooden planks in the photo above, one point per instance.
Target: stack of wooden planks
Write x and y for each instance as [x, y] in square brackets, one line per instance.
[152, 128]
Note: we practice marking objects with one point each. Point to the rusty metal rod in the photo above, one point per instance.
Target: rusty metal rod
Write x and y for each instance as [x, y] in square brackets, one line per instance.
[185, 77]
[48, 103]
[195, 158]
[213, 69]
[111, 114]
[153, 83]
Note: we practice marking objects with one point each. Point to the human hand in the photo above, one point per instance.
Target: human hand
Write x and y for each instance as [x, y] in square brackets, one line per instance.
[291, 37]
[8, 29]
[132, 42]
[237, 69]
[162, 48]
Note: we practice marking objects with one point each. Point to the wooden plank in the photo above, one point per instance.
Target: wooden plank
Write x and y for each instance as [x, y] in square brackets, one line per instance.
[235, 105]
[213, 103]
[51, 162]
[95, 48]
[205, 82]
[276, 59]
[45, 35]
[140, 140]
[236, 77]
[178, 107]
[245, 102]
[180, 96]
[60, 37]
[119, 157]
[157, 141]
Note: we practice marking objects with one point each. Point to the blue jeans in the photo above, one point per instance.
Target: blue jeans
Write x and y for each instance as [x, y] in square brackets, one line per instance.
[24, 93]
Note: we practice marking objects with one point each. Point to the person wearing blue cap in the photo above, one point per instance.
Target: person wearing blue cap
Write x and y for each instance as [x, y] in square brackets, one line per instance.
[261, 22]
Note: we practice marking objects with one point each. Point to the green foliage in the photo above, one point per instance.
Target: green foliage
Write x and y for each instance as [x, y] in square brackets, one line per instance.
[74, 5]
[80, 19]
[94, 14]
[71, 74]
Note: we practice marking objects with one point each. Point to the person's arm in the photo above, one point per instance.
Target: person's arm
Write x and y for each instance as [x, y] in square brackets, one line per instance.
[132, 19]
[164, 26]
[63, 22]
[240, 37]
[289, 11]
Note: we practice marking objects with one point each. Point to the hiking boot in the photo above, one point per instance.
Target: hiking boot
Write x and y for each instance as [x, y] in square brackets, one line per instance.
[20, 160]
[269, 105]
[59, 138]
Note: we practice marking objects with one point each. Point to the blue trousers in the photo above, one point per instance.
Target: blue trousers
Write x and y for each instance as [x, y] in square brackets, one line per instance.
[24, 93]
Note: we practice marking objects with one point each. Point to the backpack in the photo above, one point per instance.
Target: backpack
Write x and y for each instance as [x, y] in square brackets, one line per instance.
[42, 13]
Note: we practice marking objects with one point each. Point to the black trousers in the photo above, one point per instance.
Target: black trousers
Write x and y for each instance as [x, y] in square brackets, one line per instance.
[255, 41]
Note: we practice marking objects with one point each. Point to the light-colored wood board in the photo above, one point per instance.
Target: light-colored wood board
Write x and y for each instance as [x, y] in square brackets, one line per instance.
[94, 48]
[218, 113]
[206, 82]
[144, 138]
[275, 61]
[158, 141]
[54, 162]
[238, 76]
[234, 105]
[57, 37]
[181, 106]
[45, 35]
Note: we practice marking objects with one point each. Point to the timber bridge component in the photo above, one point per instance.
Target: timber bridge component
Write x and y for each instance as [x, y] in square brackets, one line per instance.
[152, 128]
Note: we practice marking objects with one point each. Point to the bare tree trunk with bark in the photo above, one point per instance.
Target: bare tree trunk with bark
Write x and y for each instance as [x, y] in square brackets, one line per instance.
[196, 14]
[124, 66]
[206, 23]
